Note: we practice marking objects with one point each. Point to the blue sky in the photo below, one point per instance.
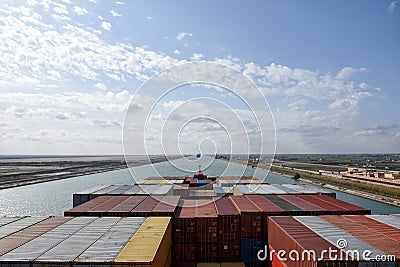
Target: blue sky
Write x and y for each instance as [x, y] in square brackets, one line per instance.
[329, 69]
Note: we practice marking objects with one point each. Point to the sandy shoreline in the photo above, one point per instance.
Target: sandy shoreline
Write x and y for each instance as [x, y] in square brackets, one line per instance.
[16, 172]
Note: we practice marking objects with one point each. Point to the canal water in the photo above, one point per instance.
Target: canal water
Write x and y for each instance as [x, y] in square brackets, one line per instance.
[52, 198]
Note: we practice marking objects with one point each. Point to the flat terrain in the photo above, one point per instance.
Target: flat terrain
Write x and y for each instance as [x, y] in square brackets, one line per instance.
[18, 171]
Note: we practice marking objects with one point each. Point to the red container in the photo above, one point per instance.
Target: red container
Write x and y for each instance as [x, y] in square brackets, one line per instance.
[250, 216]
[207, 222]
[126, 206]
[347, 206]
[229, 251]
[377, 240]
[207, 252]
[109, 204]
[303, 204]
[77, 211]
[329, 208]
[228, 219]
[145, 207]
[268, 209]
[287, 234]
[166, 206]
[184, 253]
[379, 227]
[185, 225]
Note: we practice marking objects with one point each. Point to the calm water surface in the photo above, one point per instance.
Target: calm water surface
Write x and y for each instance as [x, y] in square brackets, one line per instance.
[52, 198]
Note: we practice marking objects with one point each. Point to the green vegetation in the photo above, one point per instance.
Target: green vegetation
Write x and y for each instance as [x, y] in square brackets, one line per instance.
[359, 185]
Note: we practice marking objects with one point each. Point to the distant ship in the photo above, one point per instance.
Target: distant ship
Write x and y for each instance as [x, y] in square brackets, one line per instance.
[198, 155]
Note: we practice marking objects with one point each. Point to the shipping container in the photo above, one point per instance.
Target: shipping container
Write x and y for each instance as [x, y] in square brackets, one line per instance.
[145, 207]
[17, 225]
[185, 224]
[392, 219]
[23, 236]
[289, 235]
[207, 222]
[208, 264]
[321, 233]
[232, 264]
[274, 260]
[185, 253]
[120, 190]
[229, 250]
[125, 207]
[83, 196]
[289, 208]
[149, 246]
[207, 252]
[228, 219]
[250, 216]
[103, 208]
[250, 247]
[377, 240]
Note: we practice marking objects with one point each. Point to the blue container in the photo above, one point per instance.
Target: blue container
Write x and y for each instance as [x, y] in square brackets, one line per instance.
[249, 248]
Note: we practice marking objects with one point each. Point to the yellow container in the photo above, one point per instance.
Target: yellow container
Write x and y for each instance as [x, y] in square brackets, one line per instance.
[149, 246]
[208, 264]
[156, 182]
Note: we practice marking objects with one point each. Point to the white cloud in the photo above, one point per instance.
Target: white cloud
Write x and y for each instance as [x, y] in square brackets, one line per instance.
[106, 25]
[363, 85]
[177, 52]
[197, 57]
[61, 9]
[115, 14]
[149, 18]
[347, 72]
[101, 86]
[120, 3]
[92, 1]
[183, 35]
[80, 10]
[392, 6]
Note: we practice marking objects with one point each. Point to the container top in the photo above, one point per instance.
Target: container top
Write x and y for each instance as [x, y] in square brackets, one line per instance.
[243, 204]
[263, 204]
[224, 206]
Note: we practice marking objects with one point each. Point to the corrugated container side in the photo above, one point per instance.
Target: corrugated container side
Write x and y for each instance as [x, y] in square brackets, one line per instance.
[249, 249]
[387, 219]
[329, 208]
[185, 253]
[381, 242]
[303, 204]
[145, 207]
[185, 225]
[104, 208]
[228, 219]
[381, 228]
[150, 245]
[286, 233]
[250, 216]
[7, 220]
[21, 237]
[285, 205]
[207, 252]
[126, 206]
[229, 250]
[77, 211]
[167, 206]
[333, 234]
[341, 203]
[268, 209]
[207, 223]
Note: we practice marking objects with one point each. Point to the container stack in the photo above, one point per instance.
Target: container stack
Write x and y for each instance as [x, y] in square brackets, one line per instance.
[207, 231]
[229, 231]
[353, 240]
[85, 241]
[127, 206]
[251, 229]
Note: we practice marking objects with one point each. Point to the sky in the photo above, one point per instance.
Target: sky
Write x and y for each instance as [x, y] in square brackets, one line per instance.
[330, 71]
